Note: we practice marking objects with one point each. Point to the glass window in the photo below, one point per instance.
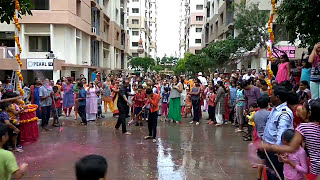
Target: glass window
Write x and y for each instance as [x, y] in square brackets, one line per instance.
[199, 18]
[135, 33]
[135, 0]
[198, 29]
[135, 44]
[198, 41]
[135, 21]
[40, 4]
[39, 43]
[199, 7]
[135, 55]
[135, 10]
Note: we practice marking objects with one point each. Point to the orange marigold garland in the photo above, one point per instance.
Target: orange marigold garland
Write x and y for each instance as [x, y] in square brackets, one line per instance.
[269, 48]
[18, 52]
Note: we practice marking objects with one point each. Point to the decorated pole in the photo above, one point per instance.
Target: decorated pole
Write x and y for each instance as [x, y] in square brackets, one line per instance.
[18, 48]
[271, 41]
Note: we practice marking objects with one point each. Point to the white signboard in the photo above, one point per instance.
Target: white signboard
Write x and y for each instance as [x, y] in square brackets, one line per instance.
[40, 64]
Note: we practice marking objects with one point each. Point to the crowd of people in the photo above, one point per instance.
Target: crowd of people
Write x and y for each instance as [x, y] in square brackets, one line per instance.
[282, 120]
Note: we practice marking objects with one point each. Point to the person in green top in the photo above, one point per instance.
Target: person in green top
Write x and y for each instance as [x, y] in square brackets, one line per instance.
[8, 164]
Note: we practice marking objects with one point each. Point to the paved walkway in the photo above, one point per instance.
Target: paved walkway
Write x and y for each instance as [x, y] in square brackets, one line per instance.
[183, 151]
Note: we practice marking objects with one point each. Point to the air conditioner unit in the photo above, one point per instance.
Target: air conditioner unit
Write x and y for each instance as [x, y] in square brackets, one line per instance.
[93, 30]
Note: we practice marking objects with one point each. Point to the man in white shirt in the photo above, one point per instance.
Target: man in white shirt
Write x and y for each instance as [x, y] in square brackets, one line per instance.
[248, 75]
[202, 79]
[216, 78]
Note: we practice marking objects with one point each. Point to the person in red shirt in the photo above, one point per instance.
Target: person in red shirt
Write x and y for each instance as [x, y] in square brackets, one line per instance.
[211, 108]
[139, 100]
[153, 100]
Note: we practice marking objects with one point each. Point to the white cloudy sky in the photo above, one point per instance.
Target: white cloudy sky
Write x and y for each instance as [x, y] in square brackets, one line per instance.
[168, 27]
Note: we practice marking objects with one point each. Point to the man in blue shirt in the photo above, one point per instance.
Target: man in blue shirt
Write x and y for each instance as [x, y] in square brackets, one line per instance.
[279, 120]
[82, 103]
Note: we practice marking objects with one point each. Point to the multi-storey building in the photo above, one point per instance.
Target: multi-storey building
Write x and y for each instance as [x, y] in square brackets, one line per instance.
[83, 36]
[142, 27]
[182, 27]
[194, 13]
[219, 25]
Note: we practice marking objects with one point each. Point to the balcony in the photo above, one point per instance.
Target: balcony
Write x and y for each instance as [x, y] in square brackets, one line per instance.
[230, 19]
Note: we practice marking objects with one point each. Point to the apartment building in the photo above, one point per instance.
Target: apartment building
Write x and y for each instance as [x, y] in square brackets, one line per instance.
[194, 20]
[219, 25]
[142, 27]
[182, 27]
[83, 36]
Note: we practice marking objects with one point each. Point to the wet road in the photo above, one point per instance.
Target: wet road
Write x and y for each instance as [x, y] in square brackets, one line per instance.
[183, 151]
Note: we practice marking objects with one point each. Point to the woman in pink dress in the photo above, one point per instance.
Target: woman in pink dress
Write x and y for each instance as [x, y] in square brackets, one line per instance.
[92, 102]
[284, 69]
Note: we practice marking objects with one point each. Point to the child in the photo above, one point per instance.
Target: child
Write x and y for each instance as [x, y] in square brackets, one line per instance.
[252, 110]
[233, 99]
[164, 107]
[153, 101]
[82, 96]
[211, 108]
[139, 100]
[99, 101]
[13, 111]
[188, 108]
[8, 163]
[56, 106]
[239, 108]
[260, 120]
[304, 92]
[92, 167]
[295, 164]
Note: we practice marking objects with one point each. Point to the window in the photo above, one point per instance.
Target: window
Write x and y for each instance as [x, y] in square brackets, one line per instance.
[199, 18]
[39, 43]
[135, 55]
[40, 4]
[135, 44]
[198, 41]
[221, 18]
[135, 10]
[135, 33]
[135, 0]
[197, 51]
[199, 7]
[118, 36]
[211, 29]
[198, 29]
[135, 21]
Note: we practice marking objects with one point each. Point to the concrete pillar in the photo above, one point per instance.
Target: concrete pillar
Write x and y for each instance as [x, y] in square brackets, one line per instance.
[23, 42]
[56, 75]
[52, 38]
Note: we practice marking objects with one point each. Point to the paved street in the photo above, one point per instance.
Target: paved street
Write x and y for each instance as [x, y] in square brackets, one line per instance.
[183, 151]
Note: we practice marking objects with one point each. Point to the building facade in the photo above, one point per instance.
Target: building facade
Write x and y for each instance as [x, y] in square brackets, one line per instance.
[142, 24]
[219, 25]
[82, 35]
[193, 24]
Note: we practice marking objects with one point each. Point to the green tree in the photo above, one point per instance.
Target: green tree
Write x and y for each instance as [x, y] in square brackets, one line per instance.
[157, 68]
[301, 20]
[251, 23]
[196, 63]
[180, 68]
[7, 9]
[144, 63]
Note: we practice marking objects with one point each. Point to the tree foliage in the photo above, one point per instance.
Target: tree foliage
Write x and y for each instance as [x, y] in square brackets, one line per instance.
[180, 68]
[157, 68]
[301, 20]
[143, 63]
[251, 22]
[7, 9]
